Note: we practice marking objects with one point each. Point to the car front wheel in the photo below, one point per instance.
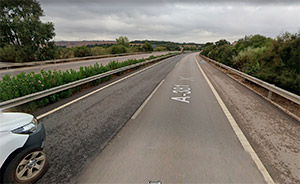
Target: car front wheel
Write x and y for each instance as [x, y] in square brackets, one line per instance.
[26, 168]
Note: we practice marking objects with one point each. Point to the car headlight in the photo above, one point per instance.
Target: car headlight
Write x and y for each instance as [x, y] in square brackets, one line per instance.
[28, 128]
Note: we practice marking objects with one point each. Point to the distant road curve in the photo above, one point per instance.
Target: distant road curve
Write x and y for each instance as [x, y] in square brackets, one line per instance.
[180, 136]
[75, 65]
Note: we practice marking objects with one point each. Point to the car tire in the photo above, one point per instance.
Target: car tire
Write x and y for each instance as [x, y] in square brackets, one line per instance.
[26, 167]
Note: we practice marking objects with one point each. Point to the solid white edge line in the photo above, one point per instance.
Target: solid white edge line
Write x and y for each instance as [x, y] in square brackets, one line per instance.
[242, 138]
[100, 89]
[146, 101]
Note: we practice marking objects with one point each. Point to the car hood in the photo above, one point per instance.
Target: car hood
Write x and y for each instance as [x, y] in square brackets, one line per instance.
[11, 120]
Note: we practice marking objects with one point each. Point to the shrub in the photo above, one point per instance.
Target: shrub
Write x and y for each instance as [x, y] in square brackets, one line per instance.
[135, 49]
[47, 52]
[274, 61]
[117, 49]
[26, 83]
[65, 53]
[147, 47]
[82, 51]
[10, 53]
[98, 51]
[249, 60]
[159, 48]
[207, 49]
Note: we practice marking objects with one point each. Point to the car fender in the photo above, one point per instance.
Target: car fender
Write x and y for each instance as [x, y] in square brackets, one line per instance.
[10, 142]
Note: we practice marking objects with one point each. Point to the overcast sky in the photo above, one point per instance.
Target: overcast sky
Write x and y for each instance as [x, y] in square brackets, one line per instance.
[170, 20]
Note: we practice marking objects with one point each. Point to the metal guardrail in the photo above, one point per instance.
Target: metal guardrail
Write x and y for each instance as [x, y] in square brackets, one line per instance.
[38, 95]
[272, 88]
[56, 61]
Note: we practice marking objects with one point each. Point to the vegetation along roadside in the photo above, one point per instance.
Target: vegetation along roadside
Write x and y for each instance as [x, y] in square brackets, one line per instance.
[276, 61]
[27, 83]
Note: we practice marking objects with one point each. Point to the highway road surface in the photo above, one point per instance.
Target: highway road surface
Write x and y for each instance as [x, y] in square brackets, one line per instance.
[179, 132]
[77, 132]
[179, 135]
[75, 65]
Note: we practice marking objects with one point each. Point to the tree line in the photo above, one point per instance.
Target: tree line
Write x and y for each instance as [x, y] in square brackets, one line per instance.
[276, 61]
[24, 37]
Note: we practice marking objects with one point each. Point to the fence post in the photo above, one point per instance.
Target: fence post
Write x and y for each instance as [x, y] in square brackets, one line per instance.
[270, 95]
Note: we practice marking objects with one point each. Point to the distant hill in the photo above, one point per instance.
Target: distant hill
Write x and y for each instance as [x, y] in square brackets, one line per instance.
[69, 44]
[157, 43]
[93, 43]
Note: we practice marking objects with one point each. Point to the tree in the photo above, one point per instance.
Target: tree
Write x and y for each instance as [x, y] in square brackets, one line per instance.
[147, 47]
[171, 46]
[208, 48]
[276, 61]
[123, 40]
[222, 42]
[22, 30]
[253, 41]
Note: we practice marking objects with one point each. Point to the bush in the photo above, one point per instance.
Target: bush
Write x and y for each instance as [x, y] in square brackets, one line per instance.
[10, 53]
[134, 49]
[98, 51]
[253, 41]
[47, 52]
[147, 47]
[118, 49]
[159, 48]
[27, 83]
[171, 46]
[82, 51]
[207, 48]
[274, 61]
[65, 53]
[249, 60]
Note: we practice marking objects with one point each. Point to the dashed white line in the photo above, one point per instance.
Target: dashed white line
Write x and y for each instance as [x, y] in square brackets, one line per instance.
[100, 89]
[146, 101]
[245, 143]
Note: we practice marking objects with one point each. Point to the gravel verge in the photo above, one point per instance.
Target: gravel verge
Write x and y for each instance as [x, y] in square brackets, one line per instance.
[273, 134]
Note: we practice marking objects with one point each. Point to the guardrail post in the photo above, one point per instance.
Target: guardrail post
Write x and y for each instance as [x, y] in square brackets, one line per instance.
[270, 95]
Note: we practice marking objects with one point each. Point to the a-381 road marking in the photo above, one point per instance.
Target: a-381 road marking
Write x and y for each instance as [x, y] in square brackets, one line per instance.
[184, 91]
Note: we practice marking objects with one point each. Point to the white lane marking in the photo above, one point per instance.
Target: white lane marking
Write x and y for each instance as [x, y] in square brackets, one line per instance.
[146, 101]
[181, 99]
[245, 143]
[100, 89]
[187, 78]
[184, 90]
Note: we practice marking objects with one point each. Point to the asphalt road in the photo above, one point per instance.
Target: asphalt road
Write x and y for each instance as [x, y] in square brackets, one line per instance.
[273, 134]
[78, 132]
[75, 65]
[180, 136]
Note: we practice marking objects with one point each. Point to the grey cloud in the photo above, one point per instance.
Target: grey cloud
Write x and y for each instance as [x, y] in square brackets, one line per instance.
[155, 2]
[191, 21]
